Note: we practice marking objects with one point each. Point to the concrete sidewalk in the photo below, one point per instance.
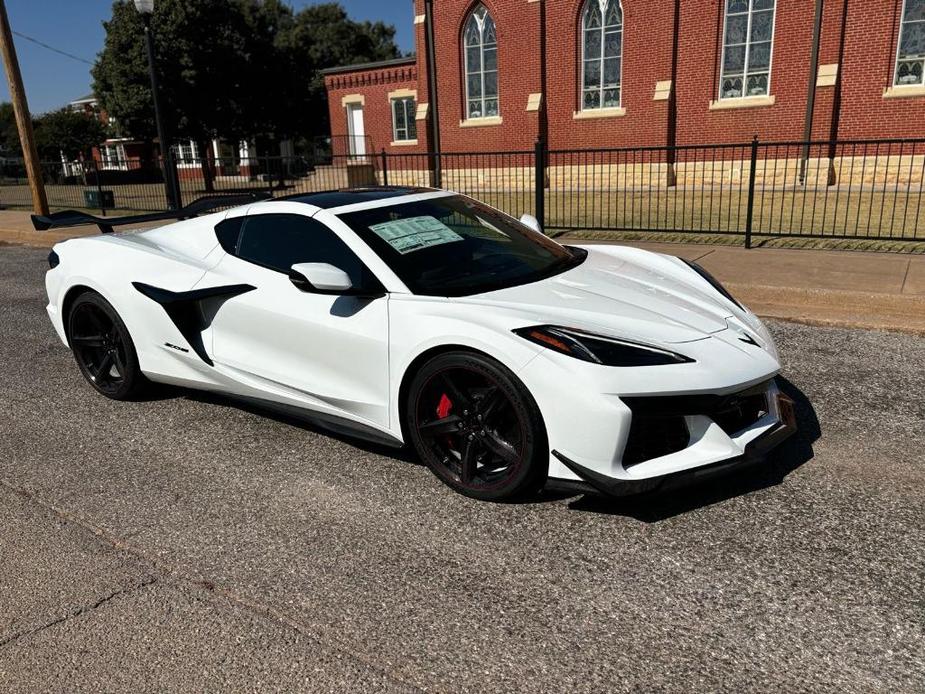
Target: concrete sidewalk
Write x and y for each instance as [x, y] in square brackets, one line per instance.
[838, 288]
[16, 227]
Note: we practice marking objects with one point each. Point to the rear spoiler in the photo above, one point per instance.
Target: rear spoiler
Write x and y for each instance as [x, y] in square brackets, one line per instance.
[73, 218]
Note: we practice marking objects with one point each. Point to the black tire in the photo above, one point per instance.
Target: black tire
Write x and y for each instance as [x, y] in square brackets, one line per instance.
[476, 426]
[103, 348]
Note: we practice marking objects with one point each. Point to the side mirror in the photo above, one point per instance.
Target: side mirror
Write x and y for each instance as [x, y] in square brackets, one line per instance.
[528, 220]
[320, 278]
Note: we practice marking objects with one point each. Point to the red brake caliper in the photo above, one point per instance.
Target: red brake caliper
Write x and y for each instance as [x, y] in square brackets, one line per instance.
[443, 411]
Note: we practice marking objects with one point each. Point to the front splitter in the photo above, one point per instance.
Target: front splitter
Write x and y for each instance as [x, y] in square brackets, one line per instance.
[755, 452]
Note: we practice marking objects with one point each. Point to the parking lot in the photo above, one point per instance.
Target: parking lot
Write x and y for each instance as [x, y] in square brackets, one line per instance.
[189, 543]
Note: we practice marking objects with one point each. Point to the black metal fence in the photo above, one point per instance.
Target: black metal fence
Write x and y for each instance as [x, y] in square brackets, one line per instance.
[846, 190]
[506, 180]
[871, 189]
[849, 189]
[126, 184]
[132, 184]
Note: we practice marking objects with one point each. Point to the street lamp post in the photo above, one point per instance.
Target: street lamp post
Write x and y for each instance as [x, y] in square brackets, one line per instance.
[145, 9]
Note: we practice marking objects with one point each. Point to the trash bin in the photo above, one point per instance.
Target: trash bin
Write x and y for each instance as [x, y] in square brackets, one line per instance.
[99, 199]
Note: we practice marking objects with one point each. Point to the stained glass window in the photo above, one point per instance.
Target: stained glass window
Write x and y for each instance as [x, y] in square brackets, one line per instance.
[404, 126]
[602, 54]
[747, 42]
[481, 57]
[910, 61]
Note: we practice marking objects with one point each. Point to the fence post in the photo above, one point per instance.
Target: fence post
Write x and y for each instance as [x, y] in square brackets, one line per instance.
[99, 188]
[539, 184]
[385, 168]
[750, 212]
[171, 180]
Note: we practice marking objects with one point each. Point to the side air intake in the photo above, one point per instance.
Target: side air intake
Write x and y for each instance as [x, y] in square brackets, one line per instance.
[185, 311]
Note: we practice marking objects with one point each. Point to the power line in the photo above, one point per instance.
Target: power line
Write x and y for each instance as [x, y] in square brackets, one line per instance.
[52, 48]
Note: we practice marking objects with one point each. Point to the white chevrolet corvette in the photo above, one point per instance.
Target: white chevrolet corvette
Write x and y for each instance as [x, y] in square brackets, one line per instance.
[423, 317]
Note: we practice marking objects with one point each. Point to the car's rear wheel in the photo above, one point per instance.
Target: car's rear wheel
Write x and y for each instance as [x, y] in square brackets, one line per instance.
[103, 348]
[477, 427]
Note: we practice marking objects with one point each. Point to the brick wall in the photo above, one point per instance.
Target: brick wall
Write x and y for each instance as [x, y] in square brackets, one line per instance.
[870, 52]
[698, 76]
[518, 27]
[374, 86]
[646, 60]
[858, 35]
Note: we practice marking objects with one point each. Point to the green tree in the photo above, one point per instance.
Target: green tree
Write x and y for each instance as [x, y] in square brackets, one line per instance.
[233, 69]
[205, 53]
[319, 37]
[69, 132]
[9, 135]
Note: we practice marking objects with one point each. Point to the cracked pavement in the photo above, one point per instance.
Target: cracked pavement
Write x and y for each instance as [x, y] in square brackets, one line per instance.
[187, 543]
[80, 614]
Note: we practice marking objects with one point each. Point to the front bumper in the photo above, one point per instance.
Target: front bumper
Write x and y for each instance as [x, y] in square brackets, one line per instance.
[755, 451]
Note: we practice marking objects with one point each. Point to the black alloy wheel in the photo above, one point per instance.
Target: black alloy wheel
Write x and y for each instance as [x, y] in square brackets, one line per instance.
[477, 427]
[103, 348]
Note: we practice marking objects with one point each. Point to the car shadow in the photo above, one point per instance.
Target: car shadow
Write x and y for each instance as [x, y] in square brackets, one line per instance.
[158, 392]
[792, 454]
[648, 508]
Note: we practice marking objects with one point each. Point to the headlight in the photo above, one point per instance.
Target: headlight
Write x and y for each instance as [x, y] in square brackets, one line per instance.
[53, 260]
[598, 349]
[712, 281]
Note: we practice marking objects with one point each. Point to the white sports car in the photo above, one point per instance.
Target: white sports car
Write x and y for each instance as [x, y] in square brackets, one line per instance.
[409, 315]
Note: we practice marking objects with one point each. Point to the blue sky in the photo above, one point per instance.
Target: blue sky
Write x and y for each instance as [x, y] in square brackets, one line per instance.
[75, 26]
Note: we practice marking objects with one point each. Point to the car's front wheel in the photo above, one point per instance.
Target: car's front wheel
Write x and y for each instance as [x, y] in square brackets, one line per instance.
[103, 348]
[477, 427]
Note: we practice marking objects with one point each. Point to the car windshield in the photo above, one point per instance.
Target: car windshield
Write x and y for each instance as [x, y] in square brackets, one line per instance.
[455, 246]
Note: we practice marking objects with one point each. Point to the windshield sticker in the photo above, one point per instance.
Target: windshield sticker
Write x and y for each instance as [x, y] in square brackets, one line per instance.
[415, 233]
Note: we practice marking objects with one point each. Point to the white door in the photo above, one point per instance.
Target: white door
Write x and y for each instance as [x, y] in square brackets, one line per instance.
[334, 350]
[357, 130]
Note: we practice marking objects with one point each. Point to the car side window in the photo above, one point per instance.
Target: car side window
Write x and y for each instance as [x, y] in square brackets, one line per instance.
[228, 232]
[279, 241]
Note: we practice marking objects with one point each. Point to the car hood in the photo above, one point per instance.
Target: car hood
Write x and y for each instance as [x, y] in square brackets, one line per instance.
[625, 292]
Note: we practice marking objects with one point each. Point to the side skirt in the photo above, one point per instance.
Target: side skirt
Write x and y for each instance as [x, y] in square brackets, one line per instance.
[333, 423]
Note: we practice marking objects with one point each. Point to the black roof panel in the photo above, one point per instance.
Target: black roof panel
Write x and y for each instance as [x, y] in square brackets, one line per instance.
[350, 196]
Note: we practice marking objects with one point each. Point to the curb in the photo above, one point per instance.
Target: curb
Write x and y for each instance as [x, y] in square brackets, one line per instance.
[43, 239]
[900, 313]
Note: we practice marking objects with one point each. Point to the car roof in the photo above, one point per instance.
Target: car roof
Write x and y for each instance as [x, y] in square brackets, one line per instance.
[330, 199]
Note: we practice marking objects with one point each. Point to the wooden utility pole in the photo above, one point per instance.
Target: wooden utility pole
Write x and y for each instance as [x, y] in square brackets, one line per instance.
[23, 116]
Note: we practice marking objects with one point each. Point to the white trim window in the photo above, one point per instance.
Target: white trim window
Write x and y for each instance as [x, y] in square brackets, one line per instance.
[910, 53]
[404, 126]
[748, 38]
[112, 156]
[187, 153]
[602, 54]
[481, 56]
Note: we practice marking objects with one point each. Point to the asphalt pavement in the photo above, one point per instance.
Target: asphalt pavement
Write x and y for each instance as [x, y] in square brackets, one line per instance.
[186, 543]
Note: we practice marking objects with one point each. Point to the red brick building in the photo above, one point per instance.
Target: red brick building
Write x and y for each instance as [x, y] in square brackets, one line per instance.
[125, 154]
[603, 74]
